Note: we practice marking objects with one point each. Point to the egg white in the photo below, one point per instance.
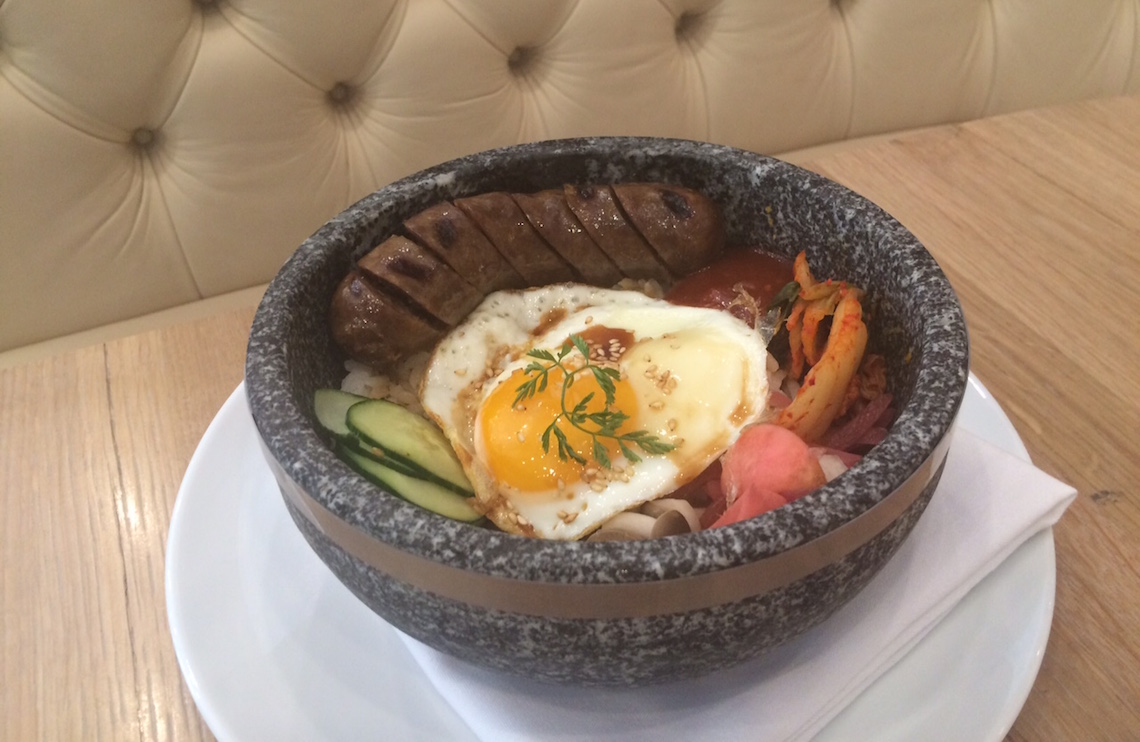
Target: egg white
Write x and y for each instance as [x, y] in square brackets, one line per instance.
[715, 385]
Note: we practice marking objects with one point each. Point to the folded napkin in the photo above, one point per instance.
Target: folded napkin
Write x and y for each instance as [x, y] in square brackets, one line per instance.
[987, 504]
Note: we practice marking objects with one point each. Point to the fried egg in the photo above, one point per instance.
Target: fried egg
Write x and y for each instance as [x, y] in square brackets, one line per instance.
[533, 421]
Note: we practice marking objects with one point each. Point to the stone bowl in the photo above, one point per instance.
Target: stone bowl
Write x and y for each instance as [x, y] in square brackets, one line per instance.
[619, 613]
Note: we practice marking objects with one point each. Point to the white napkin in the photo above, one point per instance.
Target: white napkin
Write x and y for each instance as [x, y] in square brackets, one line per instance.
[987, 504]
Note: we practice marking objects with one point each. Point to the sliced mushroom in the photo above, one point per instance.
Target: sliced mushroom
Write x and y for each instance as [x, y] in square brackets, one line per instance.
[659, 508]
[627, 526]
[667, 517]
[670, 523]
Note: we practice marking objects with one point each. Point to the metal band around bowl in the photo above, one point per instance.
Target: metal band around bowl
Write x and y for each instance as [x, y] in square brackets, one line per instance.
[608, 601]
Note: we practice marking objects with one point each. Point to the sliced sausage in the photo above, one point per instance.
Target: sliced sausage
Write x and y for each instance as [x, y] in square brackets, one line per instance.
[683, 226]
[422, 277]
[598, 211]
[449, 233]
[548, 213]
[373, 327]
[409, 290]
[507, 228]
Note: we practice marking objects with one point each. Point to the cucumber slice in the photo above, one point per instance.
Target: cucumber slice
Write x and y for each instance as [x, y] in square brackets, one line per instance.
[408, 438]
[427, 495]
[361, 448]
[331, 407]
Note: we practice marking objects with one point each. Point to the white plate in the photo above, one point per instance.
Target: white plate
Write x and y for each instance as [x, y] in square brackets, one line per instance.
[272, 646]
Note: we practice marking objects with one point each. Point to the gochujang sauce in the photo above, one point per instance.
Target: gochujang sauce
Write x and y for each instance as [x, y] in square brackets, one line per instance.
[760, 274]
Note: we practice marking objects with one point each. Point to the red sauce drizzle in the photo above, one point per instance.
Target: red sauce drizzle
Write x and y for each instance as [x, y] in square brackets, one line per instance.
[760, 274]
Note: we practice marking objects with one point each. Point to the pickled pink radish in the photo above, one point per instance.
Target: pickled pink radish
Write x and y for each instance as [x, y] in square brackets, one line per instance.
[751, 503]
[767, 467]
[769, 457]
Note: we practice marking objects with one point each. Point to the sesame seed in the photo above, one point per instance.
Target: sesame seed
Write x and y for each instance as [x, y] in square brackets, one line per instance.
[657, 404]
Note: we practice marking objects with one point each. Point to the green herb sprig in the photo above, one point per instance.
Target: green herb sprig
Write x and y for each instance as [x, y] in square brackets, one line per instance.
[600, 425]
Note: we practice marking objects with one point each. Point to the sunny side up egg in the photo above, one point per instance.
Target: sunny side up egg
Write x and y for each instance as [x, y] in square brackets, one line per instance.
[682, 382]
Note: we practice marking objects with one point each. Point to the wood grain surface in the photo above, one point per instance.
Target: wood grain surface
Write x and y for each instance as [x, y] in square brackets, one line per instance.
[1035, 218]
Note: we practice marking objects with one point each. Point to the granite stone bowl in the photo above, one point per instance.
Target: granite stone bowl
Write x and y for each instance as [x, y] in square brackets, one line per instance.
[619, 613]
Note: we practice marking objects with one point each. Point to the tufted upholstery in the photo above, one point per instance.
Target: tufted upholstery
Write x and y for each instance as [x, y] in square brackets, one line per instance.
[156, 152]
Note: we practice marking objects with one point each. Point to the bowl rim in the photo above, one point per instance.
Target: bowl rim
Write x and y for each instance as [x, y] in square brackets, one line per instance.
[290, 438]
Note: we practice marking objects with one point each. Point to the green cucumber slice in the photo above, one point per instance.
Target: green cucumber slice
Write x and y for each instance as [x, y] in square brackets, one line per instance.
[427, 495]
[408, 438]
[362, 448]
[331, 408]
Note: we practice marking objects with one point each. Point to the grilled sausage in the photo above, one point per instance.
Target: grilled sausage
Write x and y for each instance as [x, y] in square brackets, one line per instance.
[374, 327]
[548, 213]
[449, 233]
[421, 277]
[684, 227]
[413, 286]
[598, 211]
[507, 228]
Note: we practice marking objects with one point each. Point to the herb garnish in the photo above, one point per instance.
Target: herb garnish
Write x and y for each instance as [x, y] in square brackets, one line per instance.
[599, 425]
[785, 297]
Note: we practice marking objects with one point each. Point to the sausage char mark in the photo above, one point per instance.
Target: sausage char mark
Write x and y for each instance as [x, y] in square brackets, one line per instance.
[449, 233]
[674, 221]
[422, 278]
[598, 211]
[505, 225]
[550, 216]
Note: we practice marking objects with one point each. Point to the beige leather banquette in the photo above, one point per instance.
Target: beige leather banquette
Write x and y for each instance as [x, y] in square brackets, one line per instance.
[157, 153]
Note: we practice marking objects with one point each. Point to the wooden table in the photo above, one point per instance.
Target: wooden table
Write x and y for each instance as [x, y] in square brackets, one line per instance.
[1036, 219]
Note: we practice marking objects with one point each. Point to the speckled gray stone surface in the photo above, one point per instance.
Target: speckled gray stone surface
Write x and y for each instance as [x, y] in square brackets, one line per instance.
[915, 321]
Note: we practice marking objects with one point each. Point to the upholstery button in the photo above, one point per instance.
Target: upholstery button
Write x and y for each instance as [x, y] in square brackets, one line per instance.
[144, 138]
[521, 60]
[688, 26]
[341, 94]
[691, 29]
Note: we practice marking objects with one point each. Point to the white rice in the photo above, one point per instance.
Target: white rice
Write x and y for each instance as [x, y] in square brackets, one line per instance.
[401, 386]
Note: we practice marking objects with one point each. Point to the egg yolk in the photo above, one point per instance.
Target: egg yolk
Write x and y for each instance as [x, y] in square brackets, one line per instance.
[512, 434]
